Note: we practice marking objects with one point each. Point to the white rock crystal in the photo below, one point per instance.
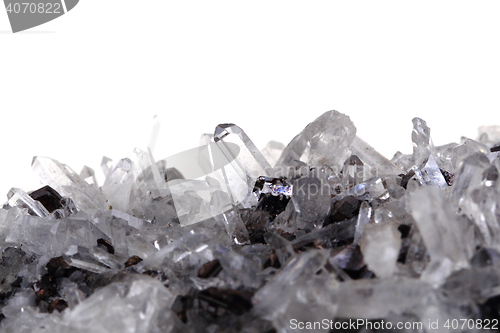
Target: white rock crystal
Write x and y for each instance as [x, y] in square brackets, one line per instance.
[226, 238]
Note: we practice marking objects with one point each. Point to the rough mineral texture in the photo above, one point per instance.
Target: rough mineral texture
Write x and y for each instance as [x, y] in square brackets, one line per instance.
[298, 238]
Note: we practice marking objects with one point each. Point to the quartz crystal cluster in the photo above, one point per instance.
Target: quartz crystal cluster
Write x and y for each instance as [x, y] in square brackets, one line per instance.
[230, 238]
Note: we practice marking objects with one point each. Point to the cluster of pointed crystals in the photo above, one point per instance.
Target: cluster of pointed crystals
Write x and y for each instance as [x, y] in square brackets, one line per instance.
[229, 238]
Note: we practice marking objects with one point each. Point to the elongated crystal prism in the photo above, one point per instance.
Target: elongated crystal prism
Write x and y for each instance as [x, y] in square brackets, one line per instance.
[19, 198]
[441, 231]
[353, 172]
[67, 182]
[118, 185]
[422, 142]
[375, 164]
[249, 162]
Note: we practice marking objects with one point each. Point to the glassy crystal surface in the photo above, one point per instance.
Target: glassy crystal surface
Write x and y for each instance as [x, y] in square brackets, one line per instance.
[380, 245]
[272, 151]
[489, 134]
[65, 181]
[19, 198]
[118, 185]
[213, 239]
[430, 174]
[375, 164]
[249, 162]
[322, 142]
[441, 232]
[422, 142]
[311, 198]
[88, 175]
[353, 172]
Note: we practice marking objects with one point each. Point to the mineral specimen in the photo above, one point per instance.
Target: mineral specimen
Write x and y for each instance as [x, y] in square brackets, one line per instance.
[312, 236]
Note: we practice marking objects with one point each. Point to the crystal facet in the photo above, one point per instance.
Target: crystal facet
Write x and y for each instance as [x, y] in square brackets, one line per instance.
[224, 238]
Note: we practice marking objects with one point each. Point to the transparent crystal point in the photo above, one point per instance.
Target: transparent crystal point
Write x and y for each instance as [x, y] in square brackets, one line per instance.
[106, 165]
[227, 215]
[365, 213]
[88, 175]
[353, 172]
[68, 183]
[297, 291]
[154, 133]
[238, 163]
[159, 186]
[272, 151]
[322, 142]
[311, 197]
[430, 174]
[469, 175]
[234, 226]
[135, 304]
[402, 161]
[118, 185]
[489, 135]
[249, 162]
[441, 231]
[475, 192]
[19, 198]
[421, 138]
[375, 164]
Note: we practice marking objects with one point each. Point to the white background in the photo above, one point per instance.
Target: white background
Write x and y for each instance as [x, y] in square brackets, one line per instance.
[88, 83]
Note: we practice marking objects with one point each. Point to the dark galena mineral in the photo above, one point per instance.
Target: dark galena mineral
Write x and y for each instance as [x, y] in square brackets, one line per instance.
[324, 234]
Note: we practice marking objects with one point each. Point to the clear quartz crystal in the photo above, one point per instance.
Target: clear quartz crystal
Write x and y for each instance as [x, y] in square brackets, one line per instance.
[68, 183]
[238, 163]
[118, 185]
[422, 142]
[296, 287]
[403, 161]
[227, 215]
[19, 198]
[106, 165]
[353, 172]
[224, 243]
[489, 135]
[137, 305]
[249, 162]
[375, 164]
[470, 173]
[376, 298]
[476, 193]
[272, 151]
[430, 174]
[312, 199]
[445, 157]
[369, 190]
[365, 213]
[154, 133]
[322, 142]
[159, 187]
[441, 232]
[88, 175]
[234, 226]
[380, 245]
